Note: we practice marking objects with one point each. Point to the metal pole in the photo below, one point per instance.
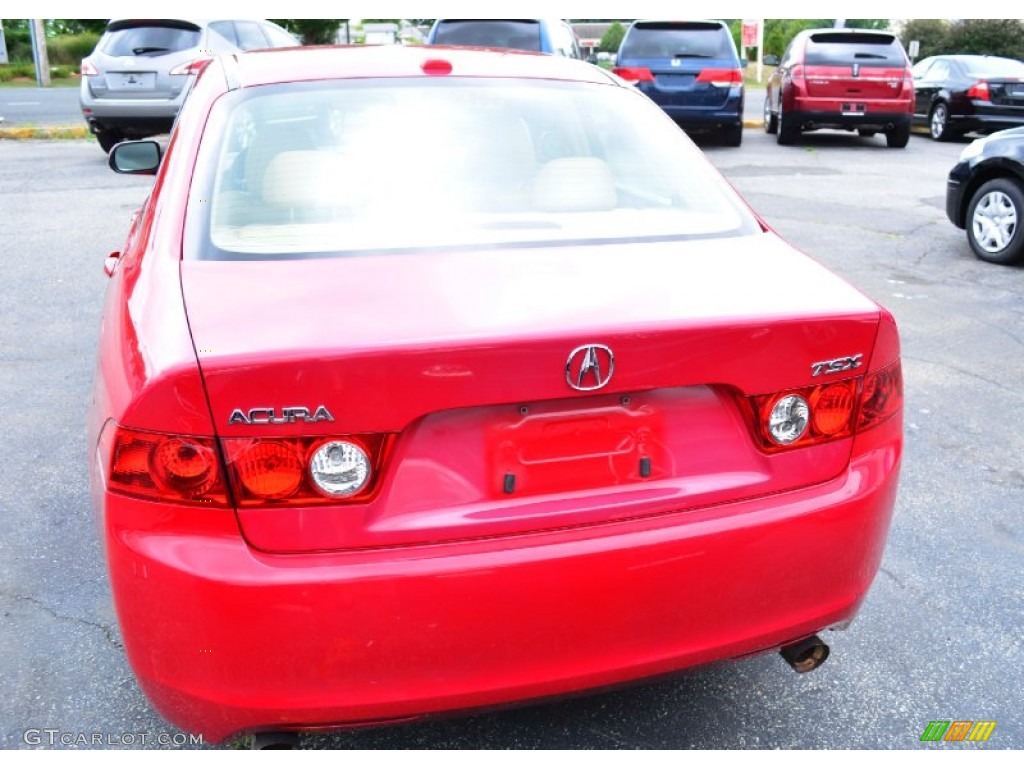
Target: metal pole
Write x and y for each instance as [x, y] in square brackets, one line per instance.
[760, 50]
[42, 61]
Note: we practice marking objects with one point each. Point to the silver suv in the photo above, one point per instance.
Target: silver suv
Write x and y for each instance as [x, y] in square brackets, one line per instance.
[135, 81]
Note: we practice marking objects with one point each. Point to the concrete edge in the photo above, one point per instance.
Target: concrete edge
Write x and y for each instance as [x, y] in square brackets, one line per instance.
[43, 132]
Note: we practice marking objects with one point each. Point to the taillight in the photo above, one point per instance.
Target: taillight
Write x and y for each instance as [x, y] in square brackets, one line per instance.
[305, 471]
[979, 91]
[163, 467]
[810, 415]
[721, 78]
[193, 67]
[635, 74]
[796, 74]
[881, 396]
[88, 69]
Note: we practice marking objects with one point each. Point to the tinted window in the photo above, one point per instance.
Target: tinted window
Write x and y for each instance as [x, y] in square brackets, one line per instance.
[846, 48]
[250, 37]
[298, 171]
[991, 66]
[278, 37]
[522, 35]
[150, 41]
[226, 30]
[667, 40]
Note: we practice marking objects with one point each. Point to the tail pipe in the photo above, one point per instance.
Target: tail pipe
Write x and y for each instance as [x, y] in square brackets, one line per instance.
[810, 653]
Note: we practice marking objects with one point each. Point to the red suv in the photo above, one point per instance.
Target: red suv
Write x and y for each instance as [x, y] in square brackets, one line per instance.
[848, 79]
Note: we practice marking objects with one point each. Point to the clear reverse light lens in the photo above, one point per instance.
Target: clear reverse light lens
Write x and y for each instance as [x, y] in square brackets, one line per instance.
[788, 419]
[339, 468]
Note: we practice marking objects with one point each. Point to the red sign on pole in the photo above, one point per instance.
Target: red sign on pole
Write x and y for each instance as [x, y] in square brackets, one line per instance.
[749, 36]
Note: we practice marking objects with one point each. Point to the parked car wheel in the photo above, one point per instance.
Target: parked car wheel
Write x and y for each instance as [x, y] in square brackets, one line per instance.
[898, 137]
[771, 121]
[788, 129]
[732, 136]
[938, 123]
[108, 139]
[993, 222]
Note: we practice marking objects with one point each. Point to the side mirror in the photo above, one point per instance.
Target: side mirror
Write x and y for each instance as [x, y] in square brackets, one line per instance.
[136, 157]
[771, 60]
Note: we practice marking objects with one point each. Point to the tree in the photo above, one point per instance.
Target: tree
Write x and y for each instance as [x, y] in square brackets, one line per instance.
[612, 38]
[313, 31]
[931, 34]
[996, 37]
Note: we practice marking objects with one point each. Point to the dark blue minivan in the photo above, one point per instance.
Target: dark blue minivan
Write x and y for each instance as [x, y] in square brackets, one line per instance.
[691, 70]
[541, 35]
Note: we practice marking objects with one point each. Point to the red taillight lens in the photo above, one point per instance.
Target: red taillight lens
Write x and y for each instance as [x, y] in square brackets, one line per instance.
[979, 91]
[193, 67]
[278, 471]
[269, 469]
[87, 69]
[635, 74]
[832, 407]
[881, 396]
[165, 467]
[721, 78]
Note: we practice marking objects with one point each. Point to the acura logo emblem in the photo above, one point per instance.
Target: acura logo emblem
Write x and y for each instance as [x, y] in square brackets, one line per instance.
[589, 367]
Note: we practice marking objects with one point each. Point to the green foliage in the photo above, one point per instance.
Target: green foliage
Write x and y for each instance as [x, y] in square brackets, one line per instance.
[75, 26]
[996, 37]
[313, 31]
[18, 39]
[71, 49]
[612, 38]
[930, 33]
[18, 69]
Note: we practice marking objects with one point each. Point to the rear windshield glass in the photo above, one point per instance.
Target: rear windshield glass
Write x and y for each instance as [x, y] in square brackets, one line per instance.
[989, 66]
[349, 167]
[668, 40]
[150, 41]
[522, 35]
[844, 48]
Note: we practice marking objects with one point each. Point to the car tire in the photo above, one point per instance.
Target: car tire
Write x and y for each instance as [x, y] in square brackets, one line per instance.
[938, 122]
[732, 136]
[994, 219]
[788, 129]
[771, 121]
[109, 139]
[898, 137]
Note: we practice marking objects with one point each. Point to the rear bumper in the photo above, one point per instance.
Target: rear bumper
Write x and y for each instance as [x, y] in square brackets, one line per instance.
[133, 116]
[850, 113]
[225, 639]
[985, 123]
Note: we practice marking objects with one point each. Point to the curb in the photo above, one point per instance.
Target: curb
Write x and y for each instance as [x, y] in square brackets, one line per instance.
[44, 132]
[753, 123]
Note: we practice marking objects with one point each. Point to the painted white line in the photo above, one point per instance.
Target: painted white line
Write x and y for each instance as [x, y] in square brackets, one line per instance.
[22, 103]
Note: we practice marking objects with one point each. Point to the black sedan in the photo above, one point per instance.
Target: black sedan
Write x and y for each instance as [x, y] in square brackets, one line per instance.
[954, 95]
[985, 196]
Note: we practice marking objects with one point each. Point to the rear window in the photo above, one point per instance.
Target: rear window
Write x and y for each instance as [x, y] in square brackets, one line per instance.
[358, 166]
[991, 67]
[152, 40]
[844, 48]
[521, 35]
[670, 40]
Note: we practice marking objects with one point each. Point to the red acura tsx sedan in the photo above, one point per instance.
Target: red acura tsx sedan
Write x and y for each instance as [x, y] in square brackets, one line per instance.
[435, 379]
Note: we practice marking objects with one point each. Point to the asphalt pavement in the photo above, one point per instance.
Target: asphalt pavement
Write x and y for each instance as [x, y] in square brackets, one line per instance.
[40, 107]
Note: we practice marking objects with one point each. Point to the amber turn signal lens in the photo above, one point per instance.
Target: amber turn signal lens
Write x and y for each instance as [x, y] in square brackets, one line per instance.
[269, 469]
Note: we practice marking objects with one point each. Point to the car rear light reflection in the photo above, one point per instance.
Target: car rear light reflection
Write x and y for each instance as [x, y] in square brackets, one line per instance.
[635, 74]
[979, 91]
[193, 67]
[305, 471]
[810, 415]
[163, 467]
[721, 78]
